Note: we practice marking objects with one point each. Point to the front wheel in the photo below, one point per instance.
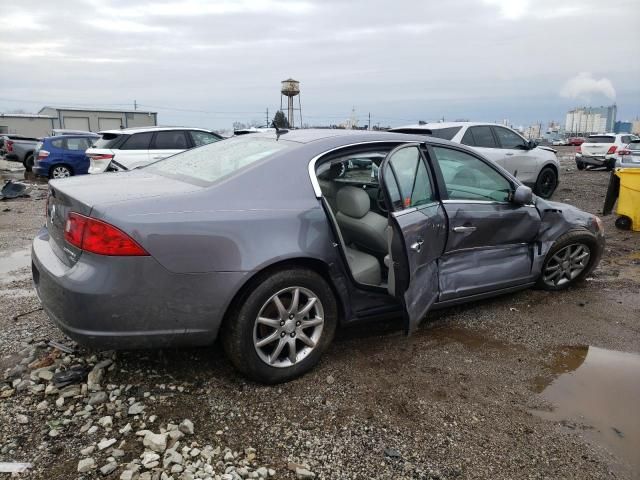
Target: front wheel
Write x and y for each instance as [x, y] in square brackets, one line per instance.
[546, 183]
[60, 171]
[28, 162]
[572, 258]
[281, 326]
[623, 222]
[580, 164]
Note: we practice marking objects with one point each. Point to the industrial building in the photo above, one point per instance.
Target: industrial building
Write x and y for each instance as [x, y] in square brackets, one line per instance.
[95, 120]
[586, 120]
[27, 124]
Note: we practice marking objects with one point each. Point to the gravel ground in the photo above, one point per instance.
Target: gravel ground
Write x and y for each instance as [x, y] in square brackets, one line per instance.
[457, 400]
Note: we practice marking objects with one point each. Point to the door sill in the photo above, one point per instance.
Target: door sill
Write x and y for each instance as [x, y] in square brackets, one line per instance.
[481, 296]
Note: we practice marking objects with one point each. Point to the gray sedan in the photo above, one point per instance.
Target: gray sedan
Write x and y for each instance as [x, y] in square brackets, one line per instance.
[266, 241]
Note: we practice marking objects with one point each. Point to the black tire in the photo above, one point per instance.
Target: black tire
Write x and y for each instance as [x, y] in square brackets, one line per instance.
[546, 183]
[238, 331]
[574, 237]
[580, 165]
[28, 162]
[623, 223]
[56, 167]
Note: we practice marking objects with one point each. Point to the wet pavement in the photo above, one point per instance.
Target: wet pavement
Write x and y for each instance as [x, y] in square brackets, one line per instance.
[13, 262]
[597, 391]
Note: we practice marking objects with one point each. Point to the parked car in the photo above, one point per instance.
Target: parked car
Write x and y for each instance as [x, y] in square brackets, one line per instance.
[65, 131]
[575, 141]
[20, 150]
[599, 150]
[217, 241]
[129, 148]
[534, 165]
[629, 155]
[559, 142]
[63, 156]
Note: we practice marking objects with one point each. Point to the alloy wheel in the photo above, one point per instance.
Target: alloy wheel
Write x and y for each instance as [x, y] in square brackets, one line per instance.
[60, 172]
[547, 184]
[566, 264]
[288, 327]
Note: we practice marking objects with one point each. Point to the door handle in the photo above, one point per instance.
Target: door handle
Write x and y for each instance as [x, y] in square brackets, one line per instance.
[509, 154]
[157, 157]
[464, 229]
[416, 247]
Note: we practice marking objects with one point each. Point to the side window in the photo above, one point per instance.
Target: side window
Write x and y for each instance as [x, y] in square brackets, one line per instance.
[508, 139]
[59, 143]
[467, 138]
[138, 141]
[202, 138]
[170, 140]
[483, 137]
[626, 139]
[407, 179]
[77, 144]
[469, 178]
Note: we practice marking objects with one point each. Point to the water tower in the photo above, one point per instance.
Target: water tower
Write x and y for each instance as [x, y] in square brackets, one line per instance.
[291, 89]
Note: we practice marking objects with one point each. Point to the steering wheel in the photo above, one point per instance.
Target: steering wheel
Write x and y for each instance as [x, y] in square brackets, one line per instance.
[382, 206]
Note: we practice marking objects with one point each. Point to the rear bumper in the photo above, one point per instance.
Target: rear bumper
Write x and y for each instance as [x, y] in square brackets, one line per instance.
[129, 302]
[41, 170]
[599, 161]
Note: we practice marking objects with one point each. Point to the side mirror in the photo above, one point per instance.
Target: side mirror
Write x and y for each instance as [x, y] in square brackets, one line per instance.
[522, 196]
[531, 144]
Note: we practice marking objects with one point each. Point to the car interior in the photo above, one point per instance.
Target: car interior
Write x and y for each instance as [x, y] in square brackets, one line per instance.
[349, 183]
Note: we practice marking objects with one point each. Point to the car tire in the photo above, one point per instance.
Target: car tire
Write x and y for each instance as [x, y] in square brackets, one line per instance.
[580, 165]
[623, 222]
[28, 162]
[60, 171]
[244, 329]
[546, 183]
[565, 257]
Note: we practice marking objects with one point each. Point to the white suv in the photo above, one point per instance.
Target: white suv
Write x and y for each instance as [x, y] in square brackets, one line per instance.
[601, 150]
[533, 165]
[118, 150]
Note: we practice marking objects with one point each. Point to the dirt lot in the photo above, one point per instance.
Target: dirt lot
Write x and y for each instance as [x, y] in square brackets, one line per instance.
[505, 388]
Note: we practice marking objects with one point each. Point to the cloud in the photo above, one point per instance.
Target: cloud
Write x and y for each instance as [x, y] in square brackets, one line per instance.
[510, 9]
[584, 86]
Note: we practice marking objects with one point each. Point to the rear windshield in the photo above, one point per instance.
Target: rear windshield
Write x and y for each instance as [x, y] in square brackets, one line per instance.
[445, 133]
[218, 160]
[107, 140]
[634, 145]
[601, 139]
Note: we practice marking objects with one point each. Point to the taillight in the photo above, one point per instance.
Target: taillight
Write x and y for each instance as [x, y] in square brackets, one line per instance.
[101, 156]
[624, 151]
[8, 145]
[612, 149]
[42, 154]
[578, 149]
[99, 237]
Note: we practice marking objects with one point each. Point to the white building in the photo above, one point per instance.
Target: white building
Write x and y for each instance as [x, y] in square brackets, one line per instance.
[27, 124]
[586, 120]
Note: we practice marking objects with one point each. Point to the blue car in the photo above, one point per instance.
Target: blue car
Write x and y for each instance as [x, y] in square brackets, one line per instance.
[62, 156]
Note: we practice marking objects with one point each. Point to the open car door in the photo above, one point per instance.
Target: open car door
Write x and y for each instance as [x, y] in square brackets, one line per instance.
[417, 231]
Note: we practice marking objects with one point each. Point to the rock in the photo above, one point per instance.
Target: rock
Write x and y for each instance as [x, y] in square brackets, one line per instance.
[262, 472]
[94, 378]
[106, 443]
[330, 380]
[304, 474]
[86, 465]
[104, 364]
[98, 398]
[50, 390]
[43, 405]
[70, 391]
[93, 429]
[126, 429]
[391, 453]
[106, 422]
[117, 453]
[155, 441]
[150, 459]
[129, 475]
[186, 427]
[45, 374]
[171, 457]
[60, 402]
[108, 468]
[22, 419]
[136, 409]
[228, 457]
[272, 472]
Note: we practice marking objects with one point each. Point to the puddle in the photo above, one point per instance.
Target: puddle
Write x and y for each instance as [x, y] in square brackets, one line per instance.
[597, 390]
[12, 262]
[20, 175]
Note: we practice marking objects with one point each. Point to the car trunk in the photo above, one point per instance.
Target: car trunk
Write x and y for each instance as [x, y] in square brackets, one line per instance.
[83, 194]
[597, 146]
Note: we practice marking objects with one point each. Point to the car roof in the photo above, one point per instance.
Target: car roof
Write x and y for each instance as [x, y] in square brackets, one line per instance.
[133, 130]
[350, 136]
[75, 135]
[440, 125]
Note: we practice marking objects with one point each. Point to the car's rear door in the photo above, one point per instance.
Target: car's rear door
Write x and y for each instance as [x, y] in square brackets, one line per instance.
[73, 153]
[168, 143]
[490, 244]
[519, 160]
[417, 230]
[134, 152]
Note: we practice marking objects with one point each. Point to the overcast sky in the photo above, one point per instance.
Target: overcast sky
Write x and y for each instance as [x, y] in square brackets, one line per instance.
[221, 61]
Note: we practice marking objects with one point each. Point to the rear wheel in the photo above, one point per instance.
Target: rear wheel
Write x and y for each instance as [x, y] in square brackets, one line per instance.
[571, 259]
[28, 162]
[546, 183]
[60, 171]
[580, 164]
[281, 326]
[623, 223]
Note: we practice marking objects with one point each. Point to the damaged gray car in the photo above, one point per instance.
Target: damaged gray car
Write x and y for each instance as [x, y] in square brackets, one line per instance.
[271, 241]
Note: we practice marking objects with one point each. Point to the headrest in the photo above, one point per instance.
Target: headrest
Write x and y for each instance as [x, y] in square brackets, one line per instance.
[353, 202]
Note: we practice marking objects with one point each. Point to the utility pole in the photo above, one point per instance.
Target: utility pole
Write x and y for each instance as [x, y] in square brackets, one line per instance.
[369, 124]
[135, 105]
[267, 122]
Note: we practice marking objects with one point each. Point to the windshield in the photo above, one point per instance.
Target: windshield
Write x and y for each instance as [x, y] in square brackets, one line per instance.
[215, 161]
[601, 139]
